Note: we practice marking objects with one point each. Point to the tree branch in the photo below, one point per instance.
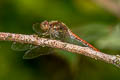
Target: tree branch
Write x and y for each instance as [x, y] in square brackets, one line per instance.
[34, 39]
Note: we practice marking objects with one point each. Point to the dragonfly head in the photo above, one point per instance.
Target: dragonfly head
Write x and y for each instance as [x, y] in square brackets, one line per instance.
[45, 26]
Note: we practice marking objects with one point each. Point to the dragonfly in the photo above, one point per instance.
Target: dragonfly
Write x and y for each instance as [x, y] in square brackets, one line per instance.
[50, 29]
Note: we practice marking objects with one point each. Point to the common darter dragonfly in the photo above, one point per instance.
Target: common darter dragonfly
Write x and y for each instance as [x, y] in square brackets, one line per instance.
[53, 30]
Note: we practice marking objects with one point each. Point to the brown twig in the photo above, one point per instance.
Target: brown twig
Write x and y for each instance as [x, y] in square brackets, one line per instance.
[32, 39]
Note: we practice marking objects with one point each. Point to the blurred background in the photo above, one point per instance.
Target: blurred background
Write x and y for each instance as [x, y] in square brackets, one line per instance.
[96, 21]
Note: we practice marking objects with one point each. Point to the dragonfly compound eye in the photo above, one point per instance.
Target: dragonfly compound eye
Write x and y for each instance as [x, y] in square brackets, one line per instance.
[45, 25]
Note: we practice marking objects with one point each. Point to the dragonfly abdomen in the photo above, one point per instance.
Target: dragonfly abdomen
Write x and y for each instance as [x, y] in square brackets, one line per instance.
[82, 41]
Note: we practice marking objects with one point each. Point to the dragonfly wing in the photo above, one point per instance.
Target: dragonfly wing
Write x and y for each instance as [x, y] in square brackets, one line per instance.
[71, 39]
[36, 51]
[20, 47]
[58, 34]
[37, 29]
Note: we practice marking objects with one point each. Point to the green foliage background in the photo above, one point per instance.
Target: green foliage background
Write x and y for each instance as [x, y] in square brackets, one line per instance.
[88, 20]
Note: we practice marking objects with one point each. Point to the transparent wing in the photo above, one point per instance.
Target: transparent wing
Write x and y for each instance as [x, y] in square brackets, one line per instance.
[58, 34]
[65, 37]
[71, 39]
[37, 29]
[37, 51]
[20, 47]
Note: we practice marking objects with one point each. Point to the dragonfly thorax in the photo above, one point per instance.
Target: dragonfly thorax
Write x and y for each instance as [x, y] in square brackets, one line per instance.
[58, 26]
[57, 29]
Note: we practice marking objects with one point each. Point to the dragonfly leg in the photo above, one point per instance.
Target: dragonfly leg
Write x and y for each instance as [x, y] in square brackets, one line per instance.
[45, 34]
